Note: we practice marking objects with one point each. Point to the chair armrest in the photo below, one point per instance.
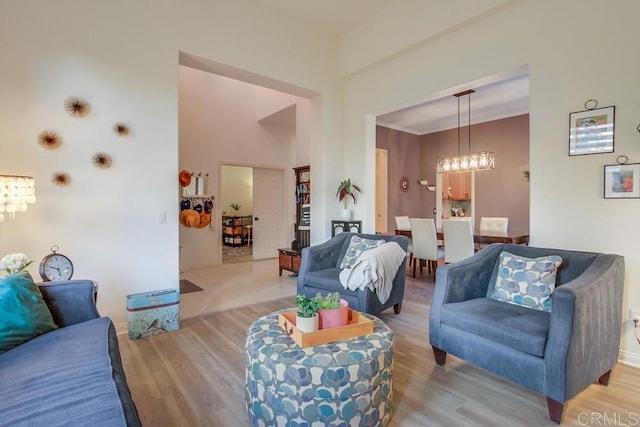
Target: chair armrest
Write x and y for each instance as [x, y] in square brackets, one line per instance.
[70, 301]
[584, 334]
[461, 281]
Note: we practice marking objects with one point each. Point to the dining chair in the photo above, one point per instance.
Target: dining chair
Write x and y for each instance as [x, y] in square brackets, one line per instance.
[425, 244]
[458, 240]
[403, 223]
[494, 224]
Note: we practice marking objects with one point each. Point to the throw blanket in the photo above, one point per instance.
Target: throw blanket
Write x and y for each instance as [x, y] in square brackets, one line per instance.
[375, 269]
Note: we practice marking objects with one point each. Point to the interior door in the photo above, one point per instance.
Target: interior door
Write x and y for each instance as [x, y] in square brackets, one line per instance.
[267, 211]
[381, 190]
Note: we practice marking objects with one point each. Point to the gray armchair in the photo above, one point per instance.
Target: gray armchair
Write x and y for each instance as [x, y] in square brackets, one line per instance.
[557, 353]
[320, 270]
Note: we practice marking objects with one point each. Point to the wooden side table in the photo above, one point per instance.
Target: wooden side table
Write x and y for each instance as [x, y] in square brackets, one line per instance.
[289, 259]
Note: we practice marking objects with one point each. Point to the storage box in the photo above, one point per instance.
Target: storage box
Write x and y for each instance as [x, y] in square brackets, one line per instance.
[152, 313]
[358, 325]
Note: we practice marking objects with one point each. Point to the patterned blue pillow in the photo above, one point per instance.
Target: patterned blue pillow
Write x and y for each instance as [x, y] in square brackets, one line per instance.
[356, 247]
[528, 282]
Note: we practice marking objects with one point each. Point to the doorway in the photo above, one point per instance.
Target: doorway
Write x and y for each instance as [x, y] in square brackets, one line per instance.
[251, 206]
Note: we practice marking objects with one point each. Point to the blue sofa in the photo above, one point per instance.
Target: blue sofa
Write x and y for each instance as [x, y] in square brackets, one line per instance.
[557, 353]
[320, 272]
[69, 376]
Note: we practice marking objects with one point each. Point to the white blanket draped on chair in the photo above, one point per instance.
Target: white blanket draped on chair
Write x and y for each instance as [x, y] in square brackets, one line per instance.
[375, 269]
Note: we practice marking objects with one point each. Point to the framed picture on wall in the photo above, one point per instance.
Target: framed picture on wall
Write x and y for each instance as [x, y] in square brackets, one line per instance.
[622, 181]
[591, 131]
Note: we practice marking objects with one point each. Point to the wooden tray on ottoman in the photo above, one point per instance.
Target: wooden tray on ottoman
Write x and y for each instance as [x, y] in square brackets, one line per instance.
[358, 325]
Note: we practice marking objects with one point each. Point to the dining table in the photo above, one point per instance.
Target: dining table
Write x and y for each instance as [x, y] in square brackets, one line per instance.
[483, 236]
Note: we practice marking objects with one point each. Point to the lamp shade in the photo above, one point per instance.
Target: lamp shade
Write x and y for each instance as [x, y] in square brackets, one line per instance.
[16, 193]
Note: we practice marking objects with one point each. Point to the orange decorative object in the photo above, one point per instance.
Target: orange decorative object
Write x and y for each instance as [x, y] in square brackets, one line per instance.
[184, 177]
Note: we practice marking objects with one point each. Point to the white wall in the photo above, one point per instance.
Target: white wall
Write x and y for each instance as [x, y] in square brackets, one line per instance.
[122, 56]
[567, 66]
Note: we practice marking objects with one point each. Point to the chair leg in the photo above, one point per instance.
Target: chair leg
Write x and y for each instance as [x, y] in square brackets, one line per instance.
[439, 355]
[604, 379]
[556, 410]
[397, 307]
[414, 267]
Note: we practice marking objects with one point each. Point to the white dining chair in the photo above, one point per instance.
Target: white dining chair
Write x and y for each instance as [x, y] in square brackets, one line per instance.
[403, 223]
[425, 244]
[458, 240]
[494, 224]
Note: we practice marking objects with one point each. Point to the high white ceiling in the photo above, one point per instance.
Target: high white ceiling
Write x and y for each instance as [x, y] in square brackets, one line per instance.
[498, 100]
[337, 16]
[501, 98]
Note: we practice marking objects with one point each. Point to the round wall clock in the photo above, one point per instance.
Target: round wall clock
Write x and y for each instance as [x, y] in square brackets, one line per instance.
[404, 184]
[55, 266]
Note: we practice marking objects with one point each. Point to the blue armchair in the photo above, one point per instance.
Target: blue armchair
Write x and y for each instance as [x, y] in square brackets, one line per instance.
[320, 270]
[557, 353]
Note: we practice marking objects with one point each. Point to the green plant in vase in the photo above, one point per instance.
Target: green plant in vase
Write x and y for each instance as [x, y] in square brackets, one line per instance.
[332, 310]
[330, 302]
[306, 314]
[307, 307]
[236, 207]
[346, 191]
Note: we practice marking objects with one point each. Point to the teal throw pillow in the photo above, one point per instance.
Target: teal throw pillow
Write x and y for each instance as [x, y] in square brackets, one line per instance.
[528, 282]
[23, 312]
[357, 246]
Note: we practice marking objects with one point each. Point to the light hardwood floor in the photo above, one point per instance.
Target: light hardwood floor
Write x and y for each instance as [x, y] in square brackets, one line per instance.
[195, 376]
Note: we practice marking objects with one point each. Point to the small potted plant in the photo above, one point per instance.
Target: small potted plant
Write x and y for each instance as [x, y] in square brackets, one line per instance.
[346, 191]
[307, 313]
[333, 311]
[236, 207]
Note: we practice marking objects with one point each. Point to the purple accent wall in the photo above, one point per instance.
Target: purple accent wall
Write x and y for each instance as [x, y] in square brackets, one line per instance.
[403, 160]
[499, 192]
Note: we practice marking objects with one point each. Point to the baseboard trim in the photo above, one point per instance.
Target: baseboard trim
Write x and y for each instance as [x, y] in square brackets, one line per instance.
[122, 328]
[629, 358]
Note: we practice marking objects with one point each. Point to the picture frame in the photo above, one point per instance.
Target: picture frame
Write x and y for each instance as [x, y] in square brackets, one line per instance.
[592, 131]
[622, 181]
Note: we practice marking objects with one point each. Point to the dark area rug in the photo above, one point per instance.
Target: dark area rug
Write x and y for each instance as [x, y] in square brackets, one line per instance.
[187, 286]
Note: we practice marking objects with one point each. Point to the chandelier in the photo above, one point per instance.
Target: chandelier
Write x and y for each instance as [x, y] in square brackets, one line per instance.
[16, 192]
[466, 162]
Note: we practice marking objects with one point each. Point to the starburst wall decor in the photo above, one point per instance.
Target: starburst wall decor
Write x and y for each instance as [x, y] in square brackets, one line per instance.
[77, 107]
[49, 140]
[121, 129]
[61, 179]
[102, 160]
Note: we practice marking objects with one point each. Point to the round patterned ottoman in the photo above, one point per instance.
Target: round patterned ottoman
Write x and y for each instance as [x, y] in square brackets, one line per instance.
[344, 383]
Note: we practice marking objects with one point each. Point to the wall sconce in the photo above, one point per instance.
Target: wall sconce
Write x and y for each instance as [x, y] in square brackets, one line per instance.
[15, 193]
[425, 183]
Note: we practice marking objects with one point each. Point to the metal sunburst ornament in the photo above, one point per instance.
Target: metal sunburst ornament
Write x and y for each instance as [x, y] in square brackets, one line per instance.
[49, 140]
[76, 107]
[121, 129]
[102, 160]
[61, 179]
